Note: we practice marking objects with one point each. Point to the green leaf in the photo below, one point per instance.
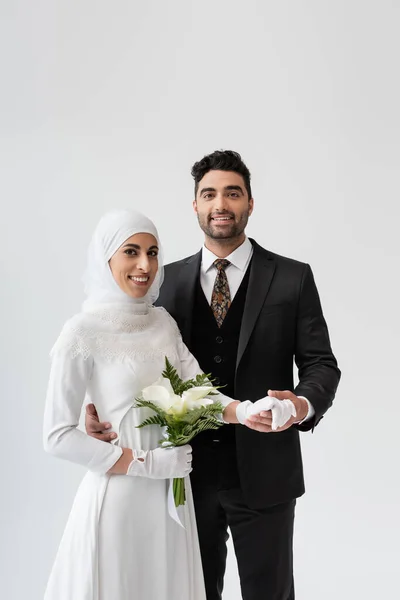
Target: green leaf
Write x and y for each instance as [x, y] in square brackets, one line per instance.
[204, 411]
[203, 379]
[171, 373]
[140, 403]
[156, 420]
[179, 386]
[187, 435]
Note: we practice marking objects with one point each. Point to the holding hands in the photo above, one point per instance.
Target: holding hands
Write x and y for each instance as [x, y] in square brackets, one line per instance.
[274, 413]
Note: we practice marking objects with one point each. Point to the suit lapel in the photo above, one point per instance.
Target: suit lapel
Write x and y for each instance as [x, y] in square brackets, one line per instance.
[261, 273]
[186, 288]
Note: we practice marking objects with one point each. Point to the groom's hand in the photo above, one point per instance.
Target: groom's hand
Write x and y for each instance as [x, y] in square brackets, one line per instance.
[96, 429]
[263, 421]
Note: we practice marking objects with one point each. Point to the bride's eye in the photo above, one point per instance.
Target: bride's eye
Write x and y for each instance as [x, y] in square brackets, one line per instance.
[130, 252]
[153, 253]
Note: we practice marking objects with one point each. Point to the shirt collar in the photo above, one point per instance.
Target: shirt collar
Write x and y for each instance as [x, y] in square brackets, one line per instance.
[239, 258]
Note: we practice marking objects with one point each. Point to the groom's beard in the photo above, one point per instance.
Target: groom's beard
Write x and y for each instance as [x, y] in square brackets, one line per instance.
[229, 231]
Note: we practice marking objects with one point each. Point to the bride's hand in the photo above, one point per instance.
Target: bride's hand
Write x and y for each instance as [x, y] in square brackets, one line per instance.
[96, 429]
[162, 463]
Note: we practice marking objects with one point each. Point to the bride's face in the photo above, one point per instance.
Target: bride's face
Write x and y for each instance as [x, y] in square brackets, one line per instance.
[135, 264]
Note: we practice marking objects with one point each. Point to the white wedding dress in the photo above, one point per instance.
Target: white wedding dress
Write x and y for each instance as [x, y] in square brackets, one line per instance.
[120, 543]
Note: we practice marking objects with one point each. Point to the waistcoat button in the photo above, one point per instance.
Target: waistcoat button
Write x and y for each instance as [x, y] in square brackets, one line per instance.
[217, 359]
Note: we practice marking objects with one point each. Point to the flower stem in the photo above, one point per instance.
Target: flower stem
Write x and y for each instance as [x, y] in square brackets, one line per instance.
[179, 491]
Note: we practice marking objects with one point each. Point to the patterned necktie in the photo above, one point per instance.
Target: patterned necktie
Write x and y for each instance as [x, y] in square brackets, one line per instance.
[221, 296]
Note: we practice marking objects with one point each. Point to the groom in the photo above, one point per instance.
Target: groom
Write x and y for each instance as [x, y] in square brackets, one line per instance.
[246, 313]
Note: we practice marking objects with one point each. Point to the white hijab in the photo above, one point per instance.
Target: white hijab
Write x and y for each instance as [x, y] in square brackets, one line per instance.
[113, 229]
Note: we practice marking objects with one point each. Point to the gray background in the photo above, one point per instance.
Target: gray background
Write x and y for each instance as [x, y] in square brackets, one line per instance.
[108, 104]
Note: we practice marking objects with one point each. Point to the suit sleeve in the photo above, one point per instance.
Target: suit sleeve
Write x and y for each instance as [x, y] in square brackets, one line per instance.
[318, 371]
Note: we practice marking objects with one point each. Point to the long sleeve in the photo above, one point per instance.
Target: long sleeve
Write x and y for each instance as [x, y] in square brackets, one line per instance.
[190, 368]
[65, 396]
[318, 371]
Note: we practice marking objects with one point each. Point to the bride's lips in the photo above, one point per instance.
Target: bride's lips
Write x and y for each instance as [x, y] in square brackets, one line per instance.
[140, 280]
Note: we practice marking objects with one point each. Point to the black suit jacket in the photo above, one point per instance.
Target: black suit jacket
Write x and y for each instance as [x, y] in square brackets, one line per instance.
[282, 321]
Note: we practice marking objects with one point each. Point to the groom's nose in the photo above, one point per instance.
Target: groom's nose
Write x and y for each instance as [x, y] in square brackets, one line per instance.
[220, 202]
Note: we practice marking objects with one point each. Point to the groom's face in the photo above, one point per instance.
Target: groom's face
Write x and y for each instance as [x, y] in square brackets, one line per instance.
[222, 205]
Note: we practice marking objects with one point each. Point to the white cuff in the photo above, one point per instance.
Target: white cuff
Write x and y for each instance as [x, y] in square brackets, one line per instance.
[225, 401]
[222, 399]
[311, 411]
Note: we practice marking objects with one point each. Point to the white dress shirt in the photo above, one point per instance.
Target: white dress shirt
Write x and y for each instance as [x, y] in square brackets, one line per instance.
[240, 260]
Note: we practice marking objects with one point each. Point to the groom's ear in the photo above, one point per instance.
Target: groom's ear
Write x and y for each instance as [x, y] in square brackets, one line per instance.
[251, 205]
[194, 203]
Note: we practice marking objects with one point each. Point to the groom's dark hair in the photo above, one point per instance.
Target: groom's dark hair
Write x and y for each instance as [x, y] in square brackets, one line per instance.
[221, 160]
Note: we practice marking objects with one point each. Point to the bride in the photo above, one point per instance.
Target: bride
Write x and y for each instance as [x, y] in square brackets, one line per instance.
[120, 541]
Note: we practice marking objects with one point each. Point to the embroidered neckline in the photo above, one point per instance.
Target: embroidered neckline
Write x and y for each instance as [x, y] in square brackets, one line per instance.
[107, 334]
[122, 318]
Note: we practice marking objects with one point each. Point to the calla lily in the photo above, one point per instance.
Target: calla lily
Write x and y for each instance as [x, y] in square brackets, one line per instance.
[196, 397]
[178, 407]
[164, 382]
[161, 393]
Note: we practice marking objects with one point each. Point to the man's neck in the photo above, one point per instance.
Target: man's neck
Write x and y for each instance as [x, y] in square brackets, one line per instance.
[223, 248]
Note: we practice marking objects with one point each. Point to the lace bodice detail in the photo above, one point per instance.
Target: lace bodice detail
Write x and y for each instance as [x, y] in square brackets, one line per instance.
[113, 333]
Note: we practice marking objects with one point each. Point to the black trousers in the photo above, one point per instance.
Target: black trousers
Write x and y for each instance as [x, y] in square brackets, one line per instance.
[262, 539]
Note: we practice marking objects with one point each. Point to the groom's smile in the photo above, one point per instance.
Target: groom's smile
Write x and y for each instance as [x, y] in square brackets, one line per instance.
[222, 219]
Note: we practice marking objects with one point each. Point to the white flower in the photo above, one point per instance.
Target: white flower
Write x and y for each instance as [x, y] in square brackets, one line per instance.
[161, 393]
[178, 407]
[196, 397]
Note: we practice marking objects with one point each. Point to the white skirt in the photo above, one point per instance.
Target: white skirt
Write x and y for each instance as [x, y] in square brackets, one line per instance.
[120, 543]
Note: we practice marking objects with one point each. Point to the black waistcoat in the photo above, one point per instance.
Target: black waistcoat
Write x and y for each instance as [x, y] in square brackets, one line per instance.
[216, 348]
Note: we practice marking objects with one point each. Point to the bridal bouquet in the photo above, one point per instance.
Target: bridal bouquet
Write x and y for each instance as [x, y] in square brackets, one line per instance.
[183, 408]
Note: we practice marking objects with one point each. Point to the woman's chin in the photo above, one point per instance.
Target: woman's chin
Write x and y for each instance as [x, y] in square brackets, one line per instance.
[139, 292]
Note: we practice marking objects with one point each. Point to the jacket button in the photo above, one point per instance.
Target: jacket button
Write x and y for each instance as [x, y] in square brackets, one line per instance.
[219, 339]
[217, 359]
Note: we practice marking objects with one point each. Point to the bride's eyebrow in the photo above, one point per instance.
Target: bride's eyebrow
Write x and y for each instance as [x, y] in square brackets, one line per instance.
[137, 247]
